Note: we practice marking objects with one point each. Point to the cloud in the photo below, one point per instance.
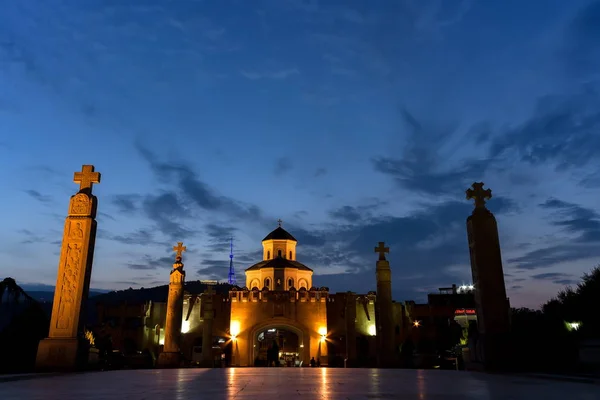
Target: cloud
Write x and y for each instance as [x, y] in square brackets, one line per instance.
[276, 75]
[148, 262]
[188, 195]
[126, 203]
[558, 278]
[581, 221]
[420, 167]
[190, 191]
[38, 196]
[31, 237]
[347, 213]
[140, 237]
[283, 165]
[320, 172]
[563, 130]
[219, 237]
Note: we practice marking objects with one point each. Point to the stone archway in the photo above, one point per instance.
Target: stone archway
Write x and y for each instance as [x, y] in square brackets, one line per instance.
[284, 324]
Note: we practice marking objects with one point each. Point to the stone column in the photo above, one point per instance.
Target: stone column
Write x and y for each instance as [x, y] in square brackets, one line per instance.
[207, 328]
[65, 349]
[488, 279]
[384, 310]
[171, 354]
[350, 314]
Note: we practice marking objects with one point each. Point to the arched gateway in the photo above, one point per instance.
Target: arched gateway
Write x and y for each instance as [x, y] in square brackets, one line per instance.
[299, 347]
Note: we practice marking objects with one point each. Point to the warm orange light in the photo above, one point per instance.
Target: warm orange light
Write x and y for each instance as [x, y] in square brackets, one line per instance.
[417, 324]
[322, 331]
[234, 329]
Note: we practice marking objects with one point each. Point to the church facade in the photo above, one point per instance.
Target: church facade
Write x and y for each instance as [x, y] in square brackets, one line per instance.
[280, 302]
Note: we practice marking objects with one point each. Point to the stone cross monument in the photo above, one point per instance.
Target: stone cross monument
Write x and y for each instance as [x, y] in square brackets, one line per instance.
[207, 327]
[65, 348]
[488, 278]
[383, 310]
[171, 354]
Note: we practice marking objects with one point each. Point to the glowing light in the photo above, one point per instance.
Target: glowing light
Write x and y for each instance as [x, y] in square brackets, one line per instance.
[161, 341]
[417, 324]
[234, 329]
[465, 288]
[573, 326]
[372, 330]
[301, 345]
[322, 331]
[185, 326]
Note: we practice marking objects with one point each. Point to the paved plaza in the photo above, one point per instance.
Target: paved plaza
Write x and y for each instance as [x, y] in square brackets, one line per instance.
[292, 383]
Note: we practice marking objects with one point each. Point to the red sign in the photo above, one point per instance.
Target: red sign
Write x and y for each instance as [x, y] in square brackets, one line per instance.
[465, 311]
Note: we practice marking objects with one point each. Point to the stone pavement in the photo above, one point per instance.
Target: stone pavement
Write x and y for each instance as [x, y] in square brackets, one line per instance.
[293, 383]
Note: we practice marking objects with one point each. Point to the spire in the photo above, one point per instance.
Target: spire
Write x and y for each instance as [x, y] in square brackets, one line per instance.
[231, 276]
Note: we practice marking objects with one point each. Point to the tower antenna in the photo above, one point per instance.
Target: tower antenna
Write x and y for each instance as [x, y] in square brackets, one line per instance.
[231, 276]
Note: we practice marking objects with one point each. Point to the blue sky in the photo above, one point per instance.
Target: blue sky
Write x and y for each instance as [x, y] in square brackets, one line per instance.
[353, 121]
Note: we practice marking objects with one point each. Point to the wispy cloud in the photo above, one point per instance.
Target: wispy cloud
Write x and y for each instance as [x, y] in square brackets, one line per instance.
[277, 75]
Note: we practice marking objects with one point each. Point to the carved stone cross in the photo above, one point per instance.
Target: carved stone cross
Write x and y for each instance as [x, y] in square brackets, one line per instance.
[479, 194]
[179, 249]
[86, 178]
[279, 221]
[381, 249]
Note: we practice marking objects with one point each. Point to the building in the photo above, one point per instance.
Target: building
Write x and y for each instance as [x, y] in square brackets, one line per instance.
[281, 304]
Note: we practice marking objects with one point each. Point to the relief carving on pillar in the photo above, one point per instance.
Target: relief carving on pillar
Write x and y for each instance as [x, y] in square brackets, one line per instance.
[75, 231]
[81, 204]
[68, 288]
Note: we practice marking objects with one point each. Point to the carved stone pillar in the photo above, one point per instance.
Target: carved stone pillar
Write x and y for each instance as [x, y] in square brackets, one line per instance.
[65, 348]
[384, 318]
[488, 279]
[171, 354]
[207, 328]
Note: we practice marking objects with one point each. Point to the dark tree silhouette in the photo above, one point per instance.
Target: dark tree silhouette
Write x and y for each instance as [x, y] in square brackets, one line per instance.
[26, 324]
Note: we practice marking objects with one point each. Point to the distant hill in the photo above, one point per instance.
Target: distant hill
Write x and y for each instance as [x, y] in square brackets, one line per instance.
[157, 294]
[48, 296]
[45, 296]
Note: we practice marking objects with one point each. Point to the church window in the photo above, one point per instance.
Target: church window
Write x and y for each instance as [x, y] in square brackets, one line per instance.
[268, 255]
[290, 255]
[267, 283]
[290, 283]
[278, 253]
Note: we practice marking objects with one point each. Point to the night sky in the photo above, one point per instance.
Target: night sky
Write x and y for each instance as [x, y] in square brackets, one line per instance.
[354, 122]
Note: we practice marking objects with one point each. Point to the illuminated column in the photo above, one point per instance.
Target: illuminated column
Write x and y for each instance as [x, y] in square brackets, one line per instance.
[488, 278]
[207, 328]
[383, 310]
[171, 354]
[63, 349]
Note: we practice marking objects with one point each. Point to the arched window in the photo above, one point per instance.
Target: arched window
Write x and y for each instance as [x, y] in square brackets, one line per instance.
[290, 255]
[254, 284]
[290, 283]
[279, 253]
[302, 283]
[268, 255]
[267, 283]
